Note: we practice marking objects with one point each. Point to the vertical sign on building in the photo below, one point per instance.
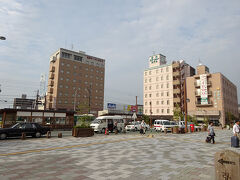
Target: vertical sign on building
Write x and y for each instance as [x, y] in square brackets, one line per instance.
[203, 89]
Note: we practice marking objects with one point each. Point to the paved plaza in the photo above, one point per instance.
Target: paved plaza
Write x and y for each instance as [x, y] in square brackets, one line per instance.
[123, 156]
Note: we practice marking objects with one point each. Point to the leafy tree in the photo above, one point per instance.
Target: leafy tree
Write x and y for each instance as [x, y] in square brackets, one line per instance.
[146, 118]
[177, 114]
[84, 121]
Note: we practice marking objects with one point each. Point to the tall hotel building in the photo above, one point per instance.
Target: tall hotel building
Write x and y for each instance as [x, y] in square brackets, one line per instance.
[163, 86]
[211, 96]
[76, 80]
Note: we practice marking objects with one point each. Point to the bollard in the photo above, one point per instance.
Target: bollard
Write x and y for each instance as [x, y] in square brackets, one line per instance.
[48, 134]
[59, 135]
[165, 131]
[23, 136]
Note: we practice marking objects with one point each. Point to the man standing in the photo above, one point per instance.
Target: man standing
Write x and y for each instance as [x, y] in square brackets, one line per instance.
[236, 129]
[211, 132]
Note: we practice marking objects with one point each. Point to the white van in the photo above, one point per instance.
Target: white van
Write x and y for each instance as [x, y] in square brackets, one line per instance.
[158, 124]
[102, 122]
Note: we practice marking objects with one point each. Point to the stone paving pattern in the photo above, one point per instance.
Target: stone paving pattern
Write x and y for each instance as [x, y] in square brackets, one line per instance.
[170, 156]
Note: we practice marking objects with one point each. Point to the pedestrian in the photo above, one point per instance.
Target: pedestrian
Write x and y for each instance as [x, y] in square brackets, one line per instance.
[143, 125]
[236, 129]
[211, 132]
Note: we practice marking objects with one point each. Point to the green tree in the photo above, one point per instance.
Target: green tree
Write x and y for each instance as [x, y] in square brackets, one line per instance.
[146, 118]
[177, 114]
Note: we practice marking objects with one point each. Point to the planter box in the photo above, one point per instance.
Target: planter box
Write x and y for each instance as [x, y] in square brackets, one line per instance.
[82, 132]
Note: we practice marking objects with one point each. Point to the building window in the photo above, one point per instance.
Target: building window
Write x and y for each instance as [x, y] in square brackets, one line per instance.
[150, 72]
[68, 72]
[161, 93]
[145, 87]
[68, 65]
[167, 85]
[145, 80]
[167, 69]
[66, 55]
[146, 103]
[145, 95]
[74, 80]
[75, 67]
[61, 78]
[162, 102]
[157, 110]
[157, 86]
[162, 110]
[161, 78]
[150, 80]
[167, 77]
[78, 58]
[157, 94]
[167, 93]
[157, 102]
[145, 73]
[145, 110]
[62, 71]
[150, 87]
[66, 87]
[161, 85]
[167, 102]
[168, 111]
[62, 64]
[60, 86]
[150, 95]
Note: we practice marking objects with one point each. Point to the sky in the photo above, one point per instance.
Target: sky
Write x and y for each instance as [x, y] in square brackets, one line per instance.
[123, 32]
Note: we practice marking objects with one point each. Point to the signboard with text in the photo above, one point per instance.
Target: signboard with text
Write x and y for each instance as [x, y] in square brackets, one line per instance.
[111, 106]
[203, 89]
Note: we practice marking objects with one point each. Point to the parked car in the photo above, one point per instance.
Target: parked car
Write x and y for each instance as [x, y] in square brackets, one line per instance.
[168, 125]
[31, 129]
[158, 124]
[133, 126]
[101, 123]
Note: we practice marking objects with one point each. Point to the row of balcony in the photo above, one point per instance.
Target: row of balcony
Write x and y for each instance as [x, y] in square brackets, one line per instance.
[209, 83]
[197, 93]
[51, 76]
[198, 103]
[52, 69]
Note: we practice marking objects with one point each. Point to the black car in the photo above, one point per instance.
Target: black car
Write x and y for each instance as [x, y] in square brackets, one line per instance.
[30, 129]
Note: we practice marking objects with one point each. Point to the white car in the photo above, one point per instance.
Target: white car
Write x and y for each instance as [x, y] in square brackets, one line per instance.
[168, 125]
[158, 123]
[133, 126]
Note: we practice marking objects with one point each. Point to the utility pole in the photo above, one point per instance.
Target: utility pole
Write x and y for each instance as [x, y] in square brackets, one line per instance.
[136, 105]
[74, 107]
[89, 98]
[36, 106]
[185, 105]
[150, 123]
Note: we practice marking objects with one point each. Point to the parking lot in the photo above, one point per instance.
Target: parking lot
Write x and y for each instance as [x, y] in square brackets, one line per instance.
[121, 156]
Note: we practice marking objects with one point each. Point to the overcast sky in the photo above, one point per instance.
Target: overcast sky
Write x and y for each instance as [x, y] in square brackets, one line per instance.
[124, 32]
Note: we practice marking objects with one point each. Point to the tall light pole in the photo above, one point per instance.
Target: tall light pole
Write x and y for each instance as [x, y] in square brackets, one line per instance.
[89, 98]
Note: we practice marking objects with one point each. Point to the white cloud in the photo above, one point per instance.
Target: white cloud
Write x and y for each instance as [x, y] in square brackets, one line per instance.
[125, 33]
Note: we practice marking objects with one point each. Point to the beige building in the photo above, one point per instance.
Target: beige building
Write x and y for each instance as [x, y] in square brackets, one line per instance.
[212, 96]
[163, 86]
[76, 82]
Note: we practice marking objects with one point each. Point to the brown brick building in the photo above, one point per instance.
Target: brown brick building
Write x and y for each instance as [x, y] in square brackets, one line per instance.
[76, 82]
[211, 96]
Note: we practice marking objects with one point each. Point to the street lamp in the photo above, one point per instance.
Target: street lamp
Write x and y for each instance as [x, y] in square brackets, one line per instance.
[2, 38]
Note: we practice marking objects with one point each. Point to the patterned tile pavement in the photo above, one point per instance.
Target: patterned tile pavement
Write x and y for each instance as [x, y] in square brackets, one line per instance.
[123, 156]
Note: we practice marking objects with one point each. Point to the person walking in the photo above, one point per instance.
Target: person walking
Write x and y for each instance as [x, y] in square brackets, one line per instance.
[236, 129]
[211, 132]
[143, 125]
